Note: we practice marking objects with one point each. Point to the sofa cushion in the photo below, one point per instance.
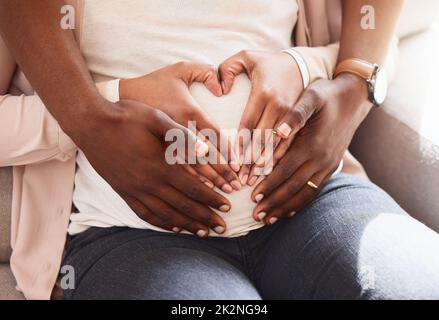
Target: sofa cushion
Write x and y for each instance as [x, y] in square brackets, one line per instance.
[398, 144]
[5, 213]
[7, 285]
[417, 16]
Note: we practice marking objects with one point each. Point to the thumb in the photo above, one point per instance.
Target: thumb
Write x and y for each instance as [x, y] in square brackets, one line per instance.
[232, 67]
[296, 118]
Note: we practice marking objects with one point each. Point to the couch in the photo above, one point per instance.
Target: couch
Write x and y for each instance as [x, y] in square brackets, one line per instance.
[398, 144]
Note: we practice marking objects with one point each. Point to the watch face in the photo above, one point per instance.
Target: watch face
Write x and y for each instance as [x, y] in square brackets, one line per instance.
[380, 87]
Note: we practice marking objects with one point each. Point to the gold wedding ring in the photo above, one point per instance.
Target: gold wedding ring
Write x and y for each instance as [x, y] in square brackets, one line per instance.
[274, 132]
[312, 185]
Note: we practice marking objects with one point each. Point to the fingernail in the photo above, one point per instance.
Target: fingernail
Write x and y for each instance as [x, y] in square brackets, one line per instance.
[244, 179]
[259, 197]
[209, 184]
[272, 220]
[267, 170]
[236, 185]
[235, 167]
[227, 188]
[252, 181]
[261, 215]
[284, 130]
[176, 229]
[201, 148]
[219, 229]
[201, 233]
[225, 208]
[291, 214]
[260, 161]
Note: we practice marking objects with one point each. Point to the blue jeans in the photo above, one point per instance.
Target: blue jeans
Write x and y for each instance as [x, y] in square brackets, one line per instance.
[352, 242]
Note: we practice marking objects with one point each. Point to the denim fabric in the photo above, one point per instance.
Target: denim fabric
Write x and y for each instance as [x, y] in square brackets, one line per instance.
[352, 242]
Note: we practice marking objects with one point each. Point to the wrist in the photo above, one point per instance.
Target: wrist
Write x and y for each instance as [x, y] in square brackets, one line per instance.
[355, 91]
[97, 109]
[87, 120]
[353, 99]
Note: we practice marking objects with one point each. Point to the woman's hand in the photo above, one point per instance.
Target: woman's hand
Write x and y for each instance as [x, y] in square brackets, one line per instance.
[276, 85]
[327, 115]
[167, 89]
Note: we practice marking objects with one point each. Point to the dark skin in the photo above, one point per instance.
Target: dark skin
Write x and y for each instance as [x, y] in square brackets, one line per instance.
[86, 115]
[62, 80]
[167, 88]
[325, 118]
[337, 108]
[164, 197]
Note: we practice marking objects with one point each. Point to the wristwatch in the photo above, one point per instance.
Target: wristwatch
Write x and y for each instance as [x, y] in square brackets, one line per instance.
[374, 75]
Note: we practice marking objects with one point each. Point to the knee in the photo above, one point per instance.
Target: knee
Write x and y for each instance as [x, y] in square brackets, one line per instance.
[392, 259]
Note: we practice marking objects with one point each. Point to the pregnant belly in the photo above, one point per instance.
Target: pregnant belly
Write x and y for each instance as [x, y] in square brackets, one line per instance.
[226, 111]
[100, 206]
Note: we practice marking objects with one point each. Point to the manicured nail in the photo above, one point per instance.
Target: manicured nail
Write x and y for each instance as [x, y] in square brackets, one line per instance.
[176, 229]
[272, 220]
[235, 167]
[260, 161]
[259, 197]
[267, 170]
[201, 148]
[284, 130]
[201, 233]
[252, 181]
[291, 214]
[227, 188]
[225, 208]
[244, 179]
[209, 184]
[261, 215]
[219, 229]
[236, 185]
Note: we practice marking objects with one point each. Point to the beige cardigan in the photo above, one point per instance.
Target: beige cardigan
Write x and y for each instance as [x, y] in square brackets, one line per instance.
[43, 156]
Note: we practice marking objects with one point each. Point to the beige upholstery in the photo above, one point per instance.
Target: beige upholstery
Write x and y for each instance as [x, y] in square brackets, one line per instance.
[416, 16]
[5, 213]
[7, 285]
[7, 282]
[398, 144]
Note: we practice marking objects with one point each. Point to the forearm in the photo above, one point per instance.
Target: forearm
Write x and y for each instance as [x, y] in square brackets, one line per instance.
[29, 134]
[359, 41]
[51, 60]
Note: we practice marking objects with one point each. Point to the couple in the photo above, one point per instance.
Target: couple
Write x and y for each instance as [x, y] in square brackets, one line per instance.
[304, 231]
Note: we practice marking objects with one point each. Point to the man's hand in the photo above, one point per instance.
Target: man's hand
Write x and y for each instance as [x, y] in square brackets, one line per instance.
[167, 89]
[276, 86]
[164, 195]
[327, 115]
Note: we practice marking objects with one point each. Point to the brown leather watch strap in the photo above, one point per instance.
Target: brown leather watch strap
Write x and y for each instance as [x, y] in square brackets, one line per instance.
[359, 67]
